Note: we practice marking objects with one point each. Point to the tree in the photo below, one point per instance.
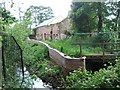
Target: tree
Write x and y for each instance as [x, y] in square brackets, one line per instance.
[83, 17]
[99, 17]
[5, 17]
[112, 16]
[38, 14]
[88, 17]
[117, 16]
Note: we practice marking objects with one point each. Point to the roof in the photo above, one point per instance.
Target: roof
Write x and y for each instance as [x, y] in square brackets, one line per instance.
[52, 21]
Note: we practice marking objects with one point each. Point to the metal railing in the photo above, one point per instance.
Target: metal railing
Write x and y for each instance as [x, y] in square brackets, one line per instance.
[109, 46]
[11, 61]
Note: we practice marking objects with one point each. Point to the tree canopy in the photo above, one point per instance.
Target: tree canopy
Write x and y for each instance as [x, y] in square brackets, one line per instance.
[38, 14]
[94, 16]
[5, 17]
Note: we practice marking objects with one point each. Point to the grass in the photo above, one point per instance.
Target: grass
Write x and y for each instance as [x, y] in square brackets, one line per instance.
[67, 46]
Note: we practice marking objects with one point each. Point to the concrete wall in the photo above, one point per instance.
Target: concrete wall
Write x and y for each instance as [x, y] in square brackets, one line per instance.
[65, 61]
[59, 58]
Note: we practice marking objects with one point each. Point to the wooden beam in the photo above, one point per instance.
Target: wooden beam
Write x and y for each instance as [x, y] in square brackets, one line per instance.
[80, 50]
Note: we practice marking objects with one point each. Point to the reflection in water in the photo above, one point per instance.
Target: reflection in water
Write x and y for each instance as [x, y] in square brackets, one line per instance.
[31, 83]
[38, 83]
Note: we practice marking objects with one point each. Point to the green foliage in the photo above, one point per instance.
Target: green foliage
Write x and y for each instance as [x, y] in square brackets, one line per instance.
[35, 56]
[83, 17]
[21, 31]
[114, 11]
[94, 16]
[105, 37]
[38, 14]
[5, 19]
[37, 61]
[77, 76]
[117, 67]
[12, 58]
[104, 78]
[67, 46]
[101, 79]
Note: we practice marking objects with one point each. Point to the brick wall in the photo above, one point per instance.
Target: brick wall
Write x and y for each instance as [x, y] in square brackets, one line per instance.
[43, 32]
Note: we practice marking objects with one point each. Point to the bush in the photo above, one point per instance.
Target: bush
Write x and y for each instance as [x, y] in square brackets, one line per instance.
[104, 78]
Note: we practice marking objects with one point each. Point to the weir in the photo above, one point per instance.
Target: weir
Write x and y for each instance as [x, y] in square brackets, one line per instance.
[84, 62]
[66, 62]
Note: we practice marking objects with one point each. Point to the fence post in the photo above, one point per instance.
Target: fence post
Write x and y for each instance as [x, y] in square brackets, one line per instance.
[3, 60]
[80, 50]
[84, 62]
[103, 45]
[0, 64]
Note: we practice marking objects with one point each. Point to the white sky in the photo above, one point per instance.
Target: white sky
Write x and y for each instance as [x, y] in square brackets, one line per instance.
[59, 7]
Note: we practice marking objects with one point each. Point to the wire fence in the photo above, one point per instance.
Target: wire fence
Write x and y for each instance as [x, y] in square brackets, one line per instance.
[11, 61]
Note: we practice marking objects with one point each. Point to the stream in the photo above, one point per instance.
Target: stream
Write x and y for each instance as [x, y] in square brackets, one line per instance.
[32, 83]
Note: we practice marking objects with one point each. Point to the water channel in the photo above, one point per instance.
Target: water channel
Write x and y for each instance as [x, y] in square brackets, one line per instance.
[32, 83]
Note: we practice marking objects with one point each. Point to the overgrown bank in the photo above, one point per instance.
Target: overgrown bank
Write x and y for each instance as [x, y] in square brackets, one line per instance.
[36, 58]
[39, 65]
[104, 78]
[89, 45]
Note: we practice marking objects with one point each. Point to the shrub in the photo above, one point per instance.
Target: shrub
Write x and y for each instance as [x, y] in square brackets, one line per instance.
[68, 48]
[104, 78]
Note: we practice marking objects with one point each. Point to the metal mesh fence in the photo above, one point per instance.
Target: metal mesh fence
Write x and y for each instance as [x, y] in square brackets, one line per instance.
[11, 61]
